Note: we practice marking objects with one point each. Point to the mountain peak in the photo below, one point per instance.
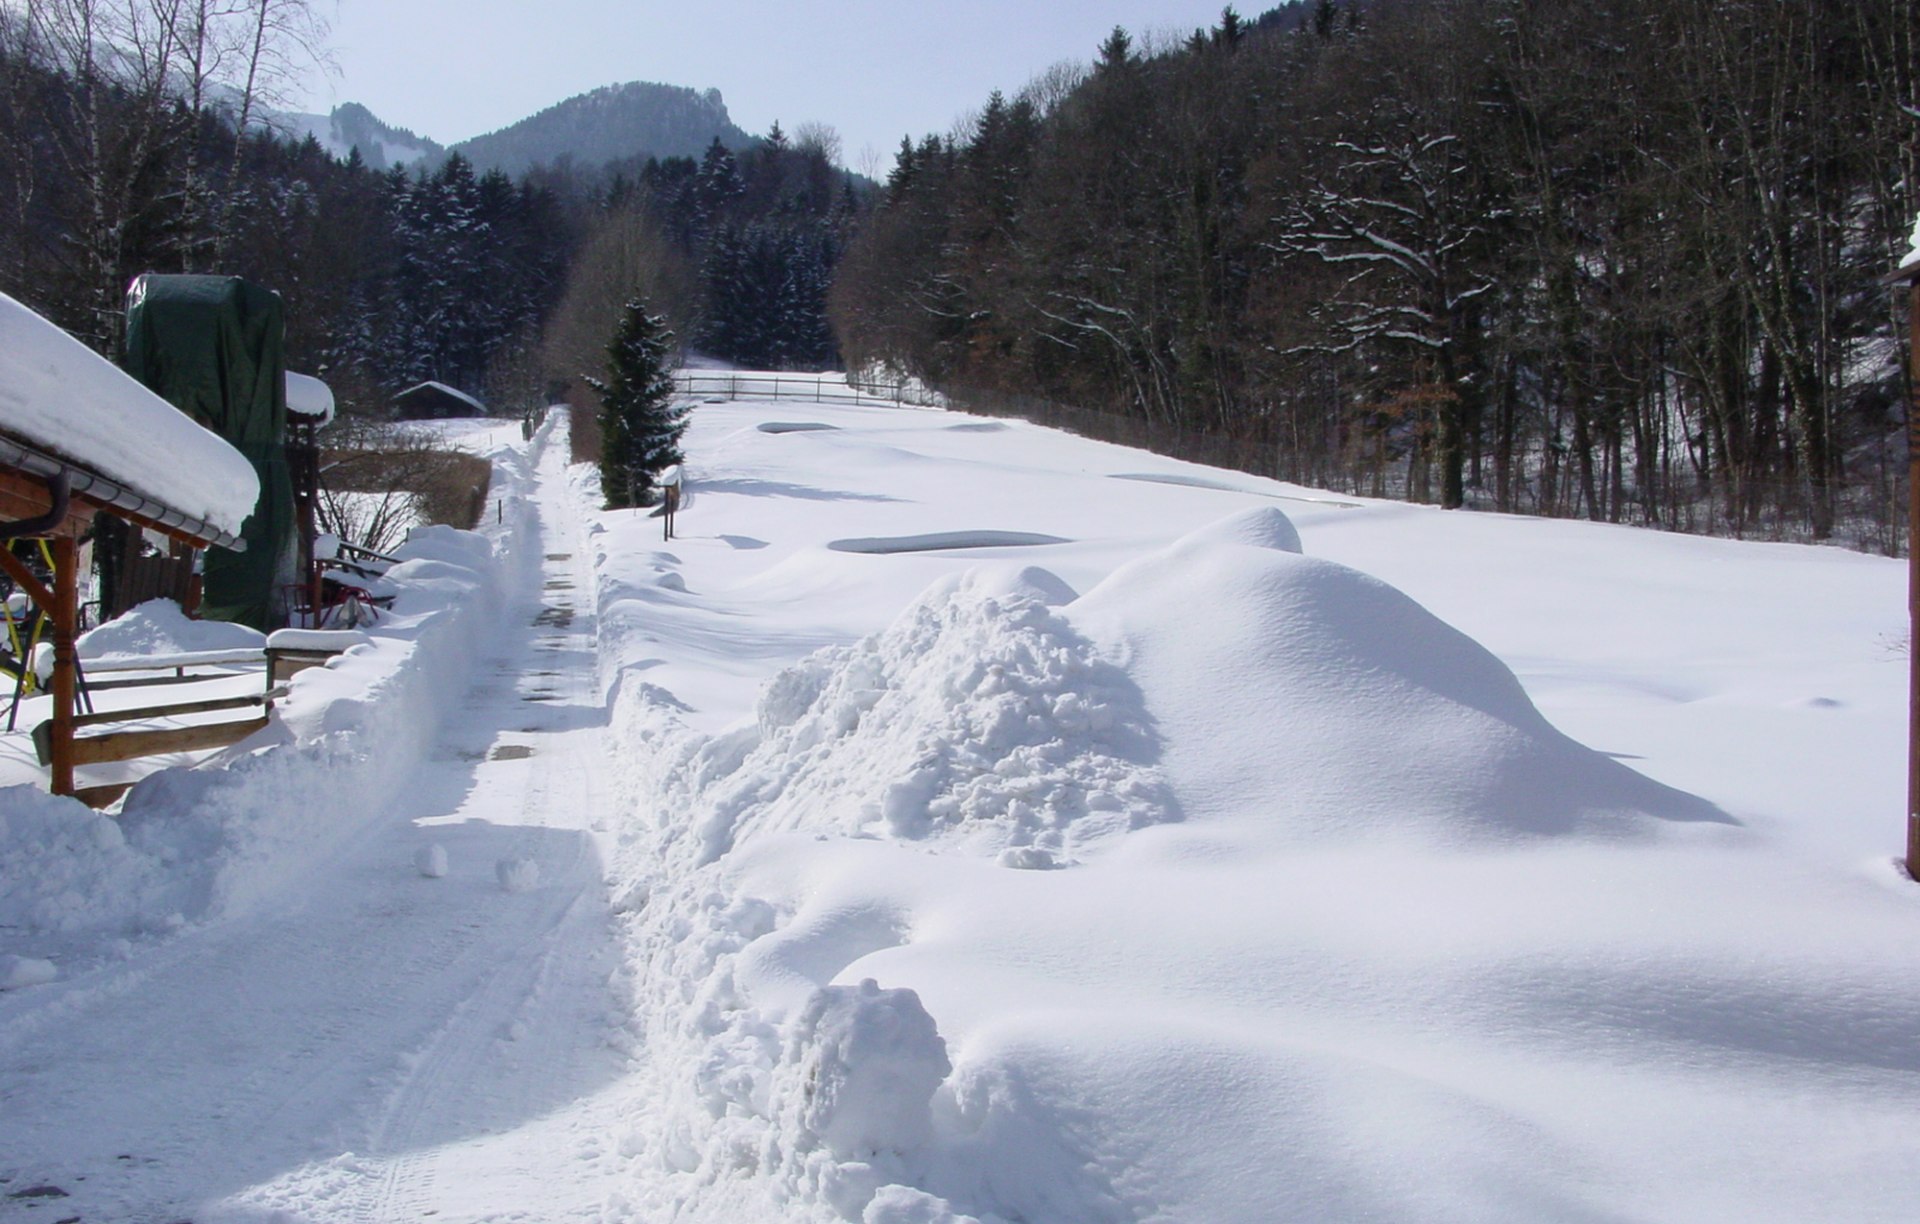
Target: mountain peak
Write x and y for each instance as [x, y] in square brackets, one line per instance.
[631, 119]
[352, 126]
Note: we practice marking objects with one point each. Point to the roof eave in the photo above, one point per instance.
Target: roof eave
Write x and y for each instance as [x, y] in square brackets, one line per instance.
[115, 498]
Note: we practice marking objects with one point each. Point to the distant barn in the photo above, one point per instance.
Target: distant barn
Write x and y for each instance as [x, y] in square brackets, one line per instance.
[432, 401]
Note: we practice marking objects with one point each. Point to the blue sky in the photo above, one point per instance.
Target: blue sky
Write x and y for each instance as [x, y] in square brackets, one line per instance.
[874, 69]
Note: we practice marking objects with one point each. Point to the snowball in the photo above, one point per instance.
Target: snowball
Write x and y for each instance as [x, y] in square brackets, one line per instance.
[518, 875]
[868, 1061]
[17, 972]
[431, 861]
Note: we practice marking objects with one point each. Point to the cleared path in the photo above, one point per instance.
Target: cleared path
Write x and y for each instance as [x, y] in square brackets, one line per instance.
[375, 1045]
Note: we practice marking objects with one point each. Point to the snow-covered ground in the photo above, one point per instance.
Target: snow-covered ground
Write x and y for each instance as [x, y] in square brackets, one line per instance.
[960, 819]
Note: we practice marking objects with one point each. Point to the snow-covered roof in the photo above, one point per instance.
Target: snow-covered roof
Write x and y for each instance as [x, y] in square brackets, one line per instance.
[310, 398]
[61, 398]
[441, 388]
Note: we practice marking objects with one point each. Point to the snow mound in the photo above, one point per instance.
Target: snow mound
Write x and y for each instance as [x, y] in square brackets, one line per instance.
[1260, 527]
[1328, 705]
[860, 1069]
[979, 715]
[159, 627]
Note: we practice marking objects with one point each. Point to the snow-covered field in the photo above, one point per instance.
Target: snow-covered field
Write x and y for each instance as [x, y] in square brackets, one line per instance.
[960, 819]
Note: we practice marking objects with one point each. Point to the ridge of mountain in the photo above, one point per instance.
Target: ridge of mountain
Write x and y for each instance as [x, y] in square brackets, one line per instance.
[614, 122]
[633, 120]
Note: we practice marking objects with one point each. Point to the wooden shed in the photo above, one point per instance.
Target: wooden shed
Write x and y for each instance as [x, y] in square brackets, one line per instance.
[80, 438]
[429, 401]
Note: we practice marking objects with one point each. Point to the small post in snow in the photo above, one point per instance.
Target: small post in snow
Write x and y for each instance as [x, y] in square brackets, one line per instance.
[669, 498]
[1908, 274]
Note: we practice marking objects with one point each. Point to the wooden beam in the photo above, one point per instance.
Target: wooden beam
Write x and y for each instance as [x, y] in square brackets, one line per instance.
[1913, 579]
[100, 796]
[125, 745]
[177, 709]
[26, 497]
[65, 615]
[27, 580]
[141, 520]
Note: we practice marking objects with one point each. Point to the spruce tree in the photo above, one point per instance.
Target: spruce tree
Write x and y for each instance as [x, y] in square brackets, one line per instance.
[640, 425]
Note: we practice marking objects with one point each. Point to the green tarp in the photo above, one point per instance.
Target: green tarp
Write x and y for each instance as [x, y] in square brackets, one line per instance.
[212, 347]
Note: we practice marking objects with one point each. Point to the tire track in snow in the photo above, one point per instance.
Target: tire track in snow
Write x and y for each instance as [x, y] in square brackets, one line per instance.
[544, 1014]
[369, 1044]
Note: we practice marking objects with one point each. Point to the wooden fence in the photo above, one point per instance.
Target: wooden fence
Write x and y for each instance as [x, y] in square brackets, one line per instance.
[715, 385]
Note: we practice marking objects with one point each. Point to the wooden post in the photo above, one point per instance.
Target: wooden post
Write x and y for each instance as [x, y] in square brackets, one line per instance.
[64, 615]
[1913, 579]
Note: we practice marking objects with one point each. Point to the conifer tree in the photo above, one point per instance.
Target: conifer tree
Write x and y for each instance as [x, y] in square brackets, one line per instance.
[640, 425]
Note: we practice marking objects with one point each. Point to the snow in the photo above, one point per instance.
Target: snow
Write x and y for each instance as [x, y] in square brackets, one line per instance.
[309, 397]
[431, 861]
[333, 641]
[60, 397]
[1912, 257]
[19, 972]
[1239, 850]
[517, 875]
[159, 628]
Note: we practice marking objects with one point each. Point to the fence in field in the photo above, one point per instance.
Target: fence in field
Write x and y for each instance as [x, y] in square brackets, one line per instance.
[811, 388]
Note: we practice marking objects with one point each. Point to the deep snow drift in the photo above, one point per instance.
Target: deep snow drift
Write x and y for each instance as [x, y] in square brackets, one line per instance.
[1106, 838]
[1339, 927]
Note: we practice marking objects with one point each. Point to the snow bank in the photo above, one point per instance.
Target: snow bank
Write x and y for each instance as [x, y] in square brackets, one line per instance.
[978, 724]
[66, 868]
[1356, 712]
[62, 397]
[197, 844]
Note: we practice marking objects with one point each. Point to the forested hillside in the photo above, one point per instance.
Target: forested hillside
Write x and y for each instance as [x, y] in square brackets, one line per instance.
[1613, 259]
[737, 252]
[122, 153]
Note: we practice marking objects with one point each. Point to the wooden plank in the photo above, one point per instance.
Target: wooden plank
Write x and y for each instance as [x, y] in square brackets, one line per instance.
[284, 665]
[25, 497]
[125, 745]
[144, 713]
[43, 734]
[101, 686]
[97, 797]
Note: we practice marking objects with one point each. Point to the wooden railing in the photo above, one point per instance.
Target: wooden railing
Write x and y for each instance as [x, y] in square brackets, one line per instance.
[811, 388]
